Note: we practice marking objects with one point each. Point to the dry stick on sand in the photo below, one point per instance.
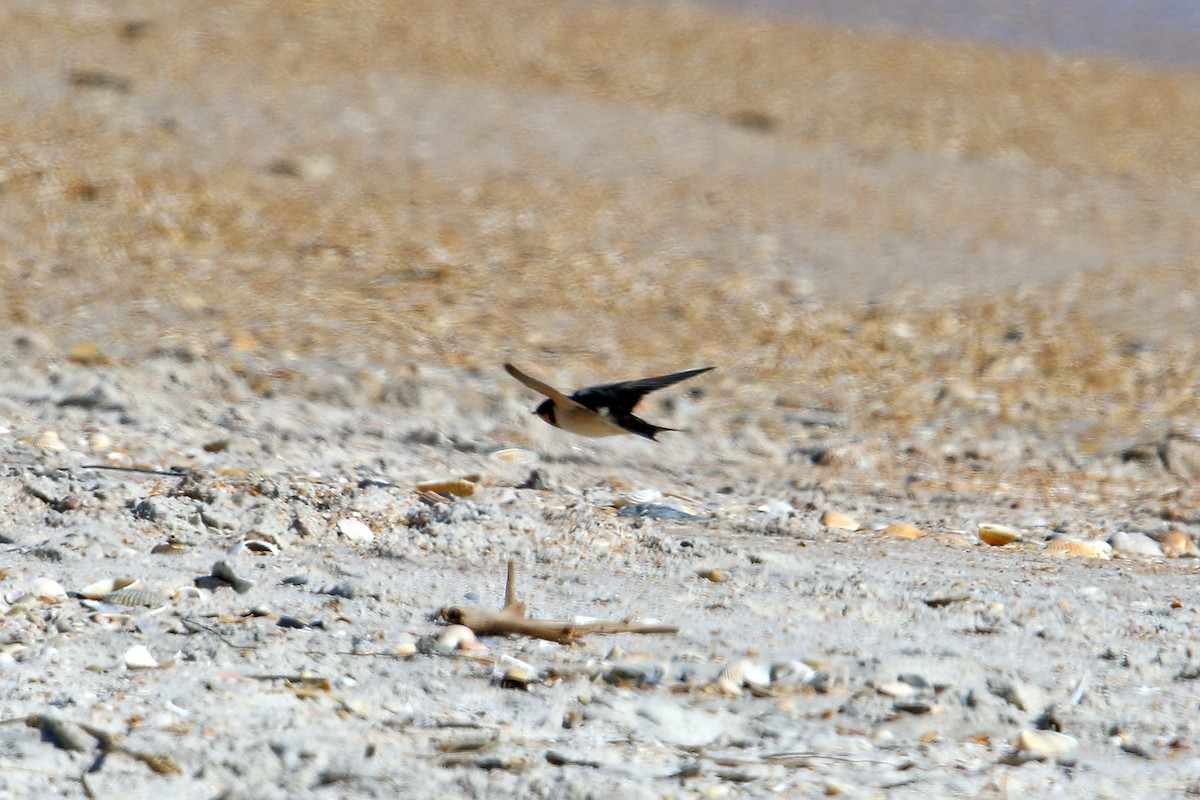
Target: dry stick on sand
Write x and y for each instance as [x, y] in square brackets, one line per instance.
[512, 619]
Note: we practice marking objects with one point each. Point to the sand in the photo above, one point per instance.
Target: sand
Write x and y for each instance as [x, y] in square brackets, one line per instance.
[284, 250]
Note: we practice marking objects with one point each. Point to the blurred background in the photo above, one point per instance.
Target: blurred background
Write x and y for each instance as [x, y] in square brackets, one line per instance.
[786, 188]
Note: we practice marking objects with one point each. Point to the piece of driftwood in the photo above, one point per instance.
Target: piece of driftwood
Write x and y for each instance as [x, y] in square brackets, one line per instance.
[512, 619]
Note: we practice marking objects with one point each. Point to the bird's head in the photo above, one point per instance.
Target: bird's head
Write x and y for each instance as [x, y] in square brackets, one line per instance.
[546, 411]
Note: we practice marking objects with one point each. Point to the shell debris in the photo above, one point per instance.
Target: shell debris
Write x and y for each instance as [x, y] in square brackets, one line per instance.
[1044, 744]
[996, 535]
[355, 530]
[714, 575]
[514, 455]
[99, 590]
[1176, 543]
[743, 674]
[140, 657]
[836, 519]
[1137, 544]
[454, 487]
[131, 596]
[902, 530]
[1083, 548]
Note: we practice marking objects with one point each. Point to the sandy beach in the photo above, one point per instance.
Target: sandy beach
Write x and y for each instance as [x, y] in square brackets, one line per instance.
[262, 264]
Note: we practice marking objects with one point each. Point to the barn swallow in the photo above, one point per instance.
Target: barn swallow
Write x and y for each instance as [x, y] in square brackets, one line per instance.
[605, 410]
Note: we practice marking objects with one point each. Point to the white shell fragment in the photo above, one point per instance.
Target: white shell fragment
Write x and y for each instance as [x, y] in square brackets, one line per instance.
[48, 590]
[743, 673]
[514, 455]
[101, 589]
[1045, 744]
[140, 657]
[355, 530]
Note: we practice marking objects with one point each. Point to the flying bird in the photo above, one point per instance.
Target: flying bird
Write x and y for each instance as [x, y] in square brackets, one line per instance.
[605, 410]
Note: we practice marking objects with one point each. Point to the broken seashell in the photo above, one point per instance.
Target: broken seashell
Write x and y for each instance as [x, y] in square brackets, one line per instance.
[1089, 548]
[189, 593]
[1045, 744]
[517, 678]
[260, 547]
[140, 657]
[792, 674]
[836, 519]
[49, 440]
[714, 575]
[457, 487]
[743, 673]
[896, 689]
[997, 535]
[514, 455]
[48, 590]
[902, 530]
[101, 589]
[1176, 543]
[355, 530]
[405, 645]
[645, 496]
[458, 637]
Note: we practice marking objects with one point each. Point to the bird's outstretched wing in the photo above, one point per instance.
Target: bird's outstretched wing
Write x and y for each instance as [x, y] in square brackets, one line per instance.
[618, 399]
[540, 387]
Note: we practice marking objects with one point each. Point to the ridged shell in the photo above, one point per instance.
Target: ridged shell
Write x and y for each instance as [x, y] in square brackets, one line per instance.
[743, 673]
[1089, 548]
[903, 530]
[456, 487]
[645, 496]
[135, 597]
[1176, 544]
[1045, 744]
[1134, 544]
[997, 535]
[836, 519]
[102, 589]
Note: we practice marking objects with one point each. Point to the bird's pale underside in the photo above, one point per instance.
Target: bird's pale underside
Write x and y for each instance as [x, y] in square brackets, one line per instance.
[604, 410]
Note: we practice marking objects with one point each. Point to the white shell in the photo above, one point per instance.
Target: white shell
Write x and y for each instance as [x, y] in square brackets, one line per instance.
[792, 673]
[355, 530]
[1138, 544]
[48, 590]
[514, 455]
[743, 673]
[101, 589]
[456, 637]
[140, 657]
[1045, 744]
